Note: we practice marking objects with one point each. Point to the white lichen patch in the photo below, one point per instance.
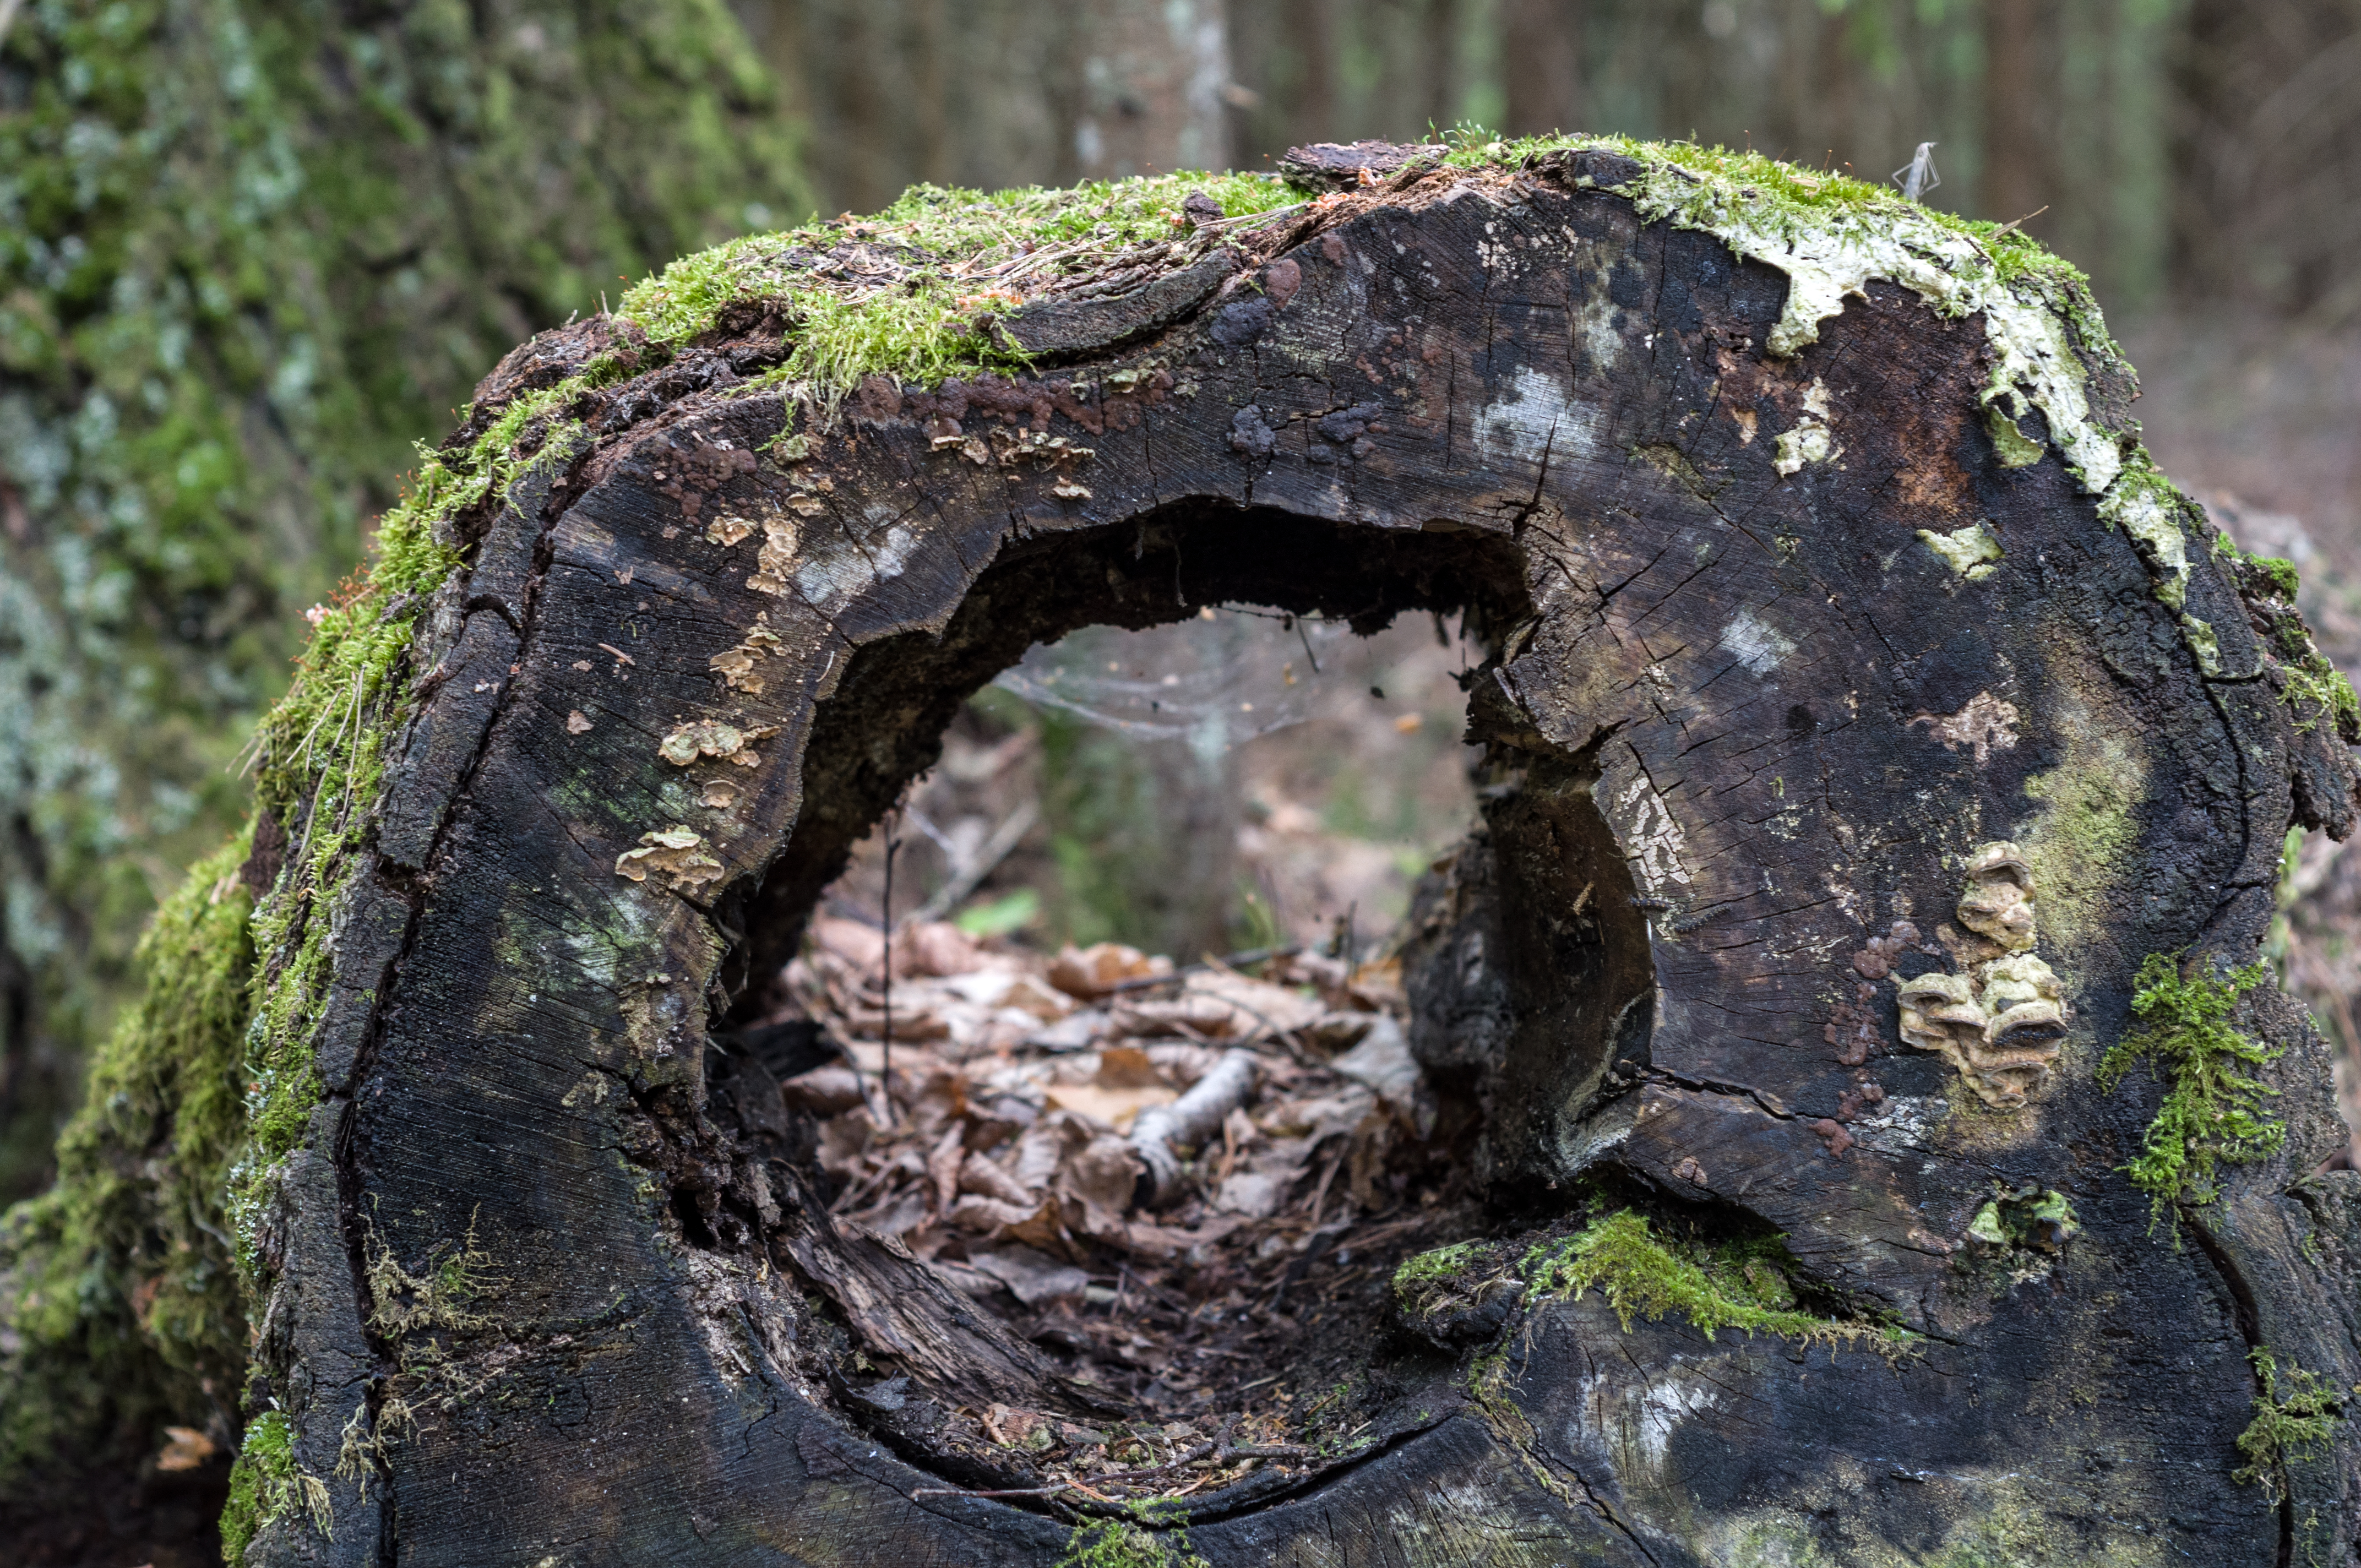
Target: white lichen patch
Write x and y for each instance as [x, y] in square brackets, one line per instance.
[1807, 443]
[1811, 440]
[1972, 552]
[830, 579]
[679, 853]
[1758, 645]
[710, 737]
[1985, 725]
[1535, 420]
[2141, 506]
[1654, 843]
[2145, 505]
[1831, 253]
[591, 1089]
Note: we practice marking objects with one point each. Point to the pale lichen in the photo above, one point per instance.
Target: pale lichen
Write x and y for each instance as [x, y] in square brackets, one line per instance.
[1972, 552]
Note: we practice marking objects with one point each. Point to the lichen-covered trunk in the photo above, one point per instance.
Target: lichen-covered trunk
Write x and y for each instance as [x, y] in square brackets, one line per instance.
[1891, 1158]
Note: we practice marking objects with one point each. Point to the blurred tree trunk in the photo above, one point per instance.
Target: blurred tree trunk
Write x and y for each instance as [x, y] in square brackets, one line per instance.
[2016, 150]
[1437, 63]
[1541, 65]
[2268, 155]
[997, 93]
[1316, 104]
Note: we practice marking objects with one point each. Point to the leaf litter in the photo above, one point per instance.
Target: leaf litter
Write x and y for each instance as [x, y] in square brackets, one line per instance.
[1187, 1186]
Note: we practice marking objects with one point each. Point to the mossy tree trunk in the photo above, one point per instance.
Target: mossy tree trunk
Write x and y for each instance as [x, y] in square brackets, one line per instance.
[1864, 717]
[247, 253]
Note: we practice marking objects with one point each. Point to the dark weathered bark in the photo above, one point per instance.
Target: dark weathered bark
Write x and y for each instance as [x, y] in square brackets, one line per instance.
[1755, 752]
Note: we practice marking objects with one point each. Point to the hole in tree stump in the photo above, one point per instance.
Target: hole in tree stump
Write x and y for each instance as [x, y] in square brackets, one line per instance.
[1005, 1282]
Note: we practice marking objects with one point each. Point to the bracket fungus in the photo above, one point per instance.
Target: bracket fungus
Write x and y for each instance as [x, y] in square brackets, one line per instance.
[1998, 1021]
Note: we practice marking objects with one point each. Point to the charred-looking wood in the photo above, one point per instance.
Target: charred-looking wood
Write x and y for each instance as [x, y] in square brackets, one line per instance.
[1834, 621]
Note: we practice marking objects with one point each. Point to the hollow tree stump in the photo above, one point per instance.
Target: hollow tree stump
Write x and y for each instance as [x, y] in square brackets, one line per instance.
[1862, 712]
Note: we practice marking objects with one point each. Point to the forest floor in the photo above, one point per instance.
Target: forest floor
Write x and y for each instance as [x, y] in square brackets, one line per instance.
[1229, 1314]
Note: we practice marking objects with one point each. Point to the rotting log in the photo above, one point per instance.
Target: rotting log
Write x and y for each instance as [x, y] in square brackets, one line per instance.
[1863, 715]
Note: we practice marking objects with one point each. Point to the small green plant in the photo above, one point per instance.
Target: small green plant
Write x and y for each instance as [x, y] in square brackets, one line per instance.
[1120, 1543]
[1000, 916]
[2017, 1219]
[266, 1483]
[1439, 1263]
[1739, 1285]
[2312, 688]
[2287, 1426]
[2213, 1111]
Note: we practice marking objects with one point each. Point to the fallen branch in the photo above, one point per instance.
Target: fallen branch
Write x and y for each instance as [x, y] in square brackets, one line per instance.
[1190, 1119]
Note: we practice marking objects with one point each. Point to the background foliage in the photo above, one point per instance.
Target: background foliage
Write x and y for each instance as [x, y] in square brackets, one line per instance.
[248, 253]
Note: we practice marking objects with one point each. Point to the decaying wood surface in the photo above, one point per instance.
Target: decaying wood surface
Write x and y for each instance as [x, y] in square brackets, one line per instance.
[1761, 760]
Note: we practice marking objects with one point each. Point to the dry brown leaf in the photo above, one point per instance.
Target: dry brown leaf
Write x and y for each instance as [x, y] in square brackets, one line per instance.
[841, 1140]
[1112, 1107]
[1102, 1179]
[935, 947]
[862, 945]
[828, 1091]
[1094, 971]
[1032, 1277]
[185, 1448]
[1045, 1146]
[1126, 1067]
[992, 1216]
[978, 1174]
[944, 1165]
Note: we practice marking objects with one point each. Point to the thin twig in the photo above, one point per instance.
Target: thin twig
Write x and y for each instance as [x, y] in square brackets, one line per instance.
[885, 987]
[2015, 222]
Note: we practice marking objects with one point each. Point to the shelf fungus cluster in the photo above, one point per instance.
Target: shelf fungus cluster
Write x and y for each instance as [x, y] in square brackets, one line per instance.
[1999, 1020]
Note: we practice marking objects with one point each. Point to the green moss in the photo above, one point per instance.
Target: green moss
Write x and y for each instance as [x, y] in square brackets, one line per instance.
[1739, 1285]
[1117, 1543]
[441, 1294]
[2286, 1426]
[2037, 1218]
[2084, 843]
[2316, 689]
[266, 1483]
[1971, 553]
[2312, 688]
[2265, 576]
[117, 1291]
[1439, 1263]
[2212, 1112]
[953, 258]
[1461, 1272]
[1790, 194]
